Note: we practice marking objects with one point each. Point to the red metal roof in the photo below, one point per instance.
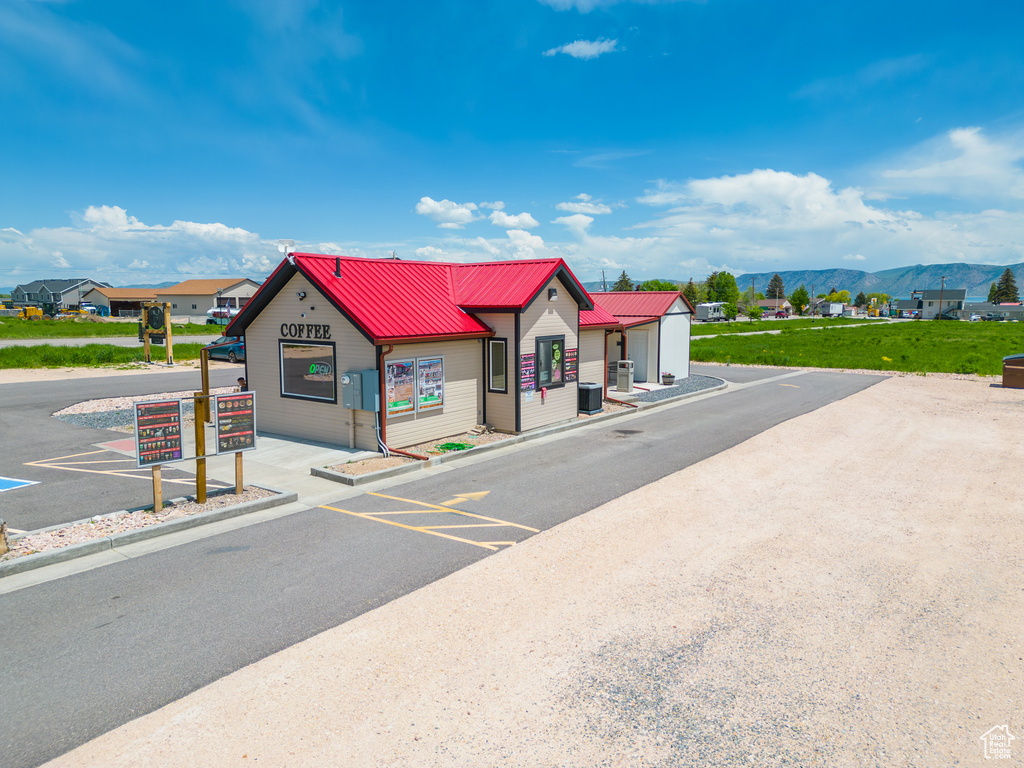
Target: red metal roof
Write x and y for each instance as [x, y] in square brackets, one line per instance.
[393, 300]
[634, 304]
[598, 317]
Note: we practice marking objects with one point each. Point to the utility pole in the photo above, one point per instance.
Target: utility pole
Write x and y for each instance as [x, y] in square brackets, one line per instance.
[813, 306]
[604, 281]
[942, 289]
[753, 301]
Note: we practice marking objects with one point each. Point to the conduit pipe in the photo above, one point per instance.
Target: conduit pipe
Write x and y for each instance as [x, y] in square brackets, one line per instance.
[382, 431]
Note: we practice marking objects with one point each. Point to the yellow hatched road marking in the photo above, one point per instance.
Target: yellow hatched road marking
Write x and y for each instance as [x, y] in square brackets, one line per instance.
[467, 525]
[794, 386]
[439, 508]
[412, 528]
[72, 456]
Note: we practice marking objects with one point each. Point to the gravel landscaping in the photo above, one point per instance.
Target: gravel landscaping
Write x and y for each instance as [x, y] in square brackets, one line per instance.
[117, 414]
[119, 522]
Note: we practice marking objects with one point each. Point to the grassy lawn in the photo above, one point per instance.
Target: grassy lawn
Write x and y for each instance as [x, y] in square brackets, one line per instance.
[70, 328]
[921, 346]
[747, 326]
[90, 355]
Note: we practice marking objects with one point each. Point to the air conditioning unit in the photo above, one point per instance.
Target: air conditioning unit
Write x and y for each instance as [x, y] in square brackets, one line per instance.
[590, 398]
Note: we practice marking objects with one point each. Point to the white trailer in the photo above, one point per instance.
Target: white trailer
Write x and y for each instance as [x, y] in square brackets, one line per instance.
[710, 312]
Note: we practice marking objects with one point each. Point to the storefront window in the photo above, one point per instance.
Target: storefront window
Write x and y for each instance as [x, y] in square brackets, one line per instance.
[307, 371]
[550, 361]
[496, 366]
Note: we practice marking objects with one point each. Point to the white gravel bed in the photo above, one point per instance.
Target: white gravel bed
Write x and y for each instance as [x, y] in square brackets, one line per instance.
[107, 525]
[126, 403]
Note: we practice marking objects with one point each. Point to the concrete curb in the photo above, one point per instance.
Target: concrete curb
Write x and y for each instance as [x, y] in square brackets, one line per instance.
[404, 469]
[53, 556]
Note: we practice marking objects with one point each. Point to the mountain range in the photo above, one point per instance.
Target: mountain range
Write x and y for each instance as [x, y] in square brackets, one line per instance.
[898, 282]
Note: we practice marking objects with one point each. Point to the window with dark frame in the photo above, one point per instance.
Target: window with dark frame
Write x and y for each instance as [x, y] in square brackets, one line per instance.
[550, 361]
[497, 366]
[307, 371]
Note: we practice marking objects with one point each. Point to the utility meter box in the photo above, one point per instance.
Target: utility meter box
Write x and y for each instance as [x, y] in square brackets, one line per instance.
[360, 390]
[352, 390]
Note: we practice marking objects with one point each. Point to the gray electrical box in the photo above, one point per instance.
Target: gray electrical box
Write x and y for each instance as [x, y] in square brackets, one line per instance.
[352, 390]
[360, 390]
[371, 390]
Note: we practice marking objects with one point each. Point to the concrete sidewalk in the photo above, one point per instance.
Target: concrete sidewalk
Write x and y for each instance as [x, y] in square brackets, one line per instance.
[787, 601]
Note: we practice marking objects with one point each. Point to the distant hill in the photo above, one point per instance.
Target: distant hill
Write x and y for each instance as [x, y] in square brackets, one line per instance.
[899, 282]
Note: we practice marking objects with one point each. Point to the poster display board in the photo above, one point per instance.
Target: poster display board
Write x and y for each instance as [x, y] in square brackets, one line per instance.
[236, 422]
[430, 383]
[571, 364]
[157, 432]
[400, 381]
[528, 371]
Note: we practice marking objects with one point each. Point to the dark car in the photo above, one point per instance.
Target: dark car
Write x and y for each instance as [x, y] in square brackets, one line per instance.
[233, 349]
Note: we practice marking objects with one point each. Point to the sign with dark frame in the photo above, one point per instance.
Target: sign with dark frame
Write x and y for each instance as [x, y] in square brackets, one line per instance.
[236, 422]
[157, 432]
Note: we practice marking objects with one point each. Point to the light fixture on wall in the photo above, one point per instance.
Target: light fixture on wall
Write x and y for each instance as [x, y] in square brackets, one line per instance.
[552, 294]
[301, 295]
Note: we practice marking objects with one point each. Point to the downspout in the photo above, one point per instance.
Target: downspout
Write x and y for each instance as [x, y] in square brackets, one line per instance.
[382, 428]
[608, 397]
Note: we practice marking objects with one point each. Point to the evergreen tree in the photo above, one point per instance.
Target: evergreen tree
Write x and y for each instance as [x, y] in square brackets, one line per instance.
[711, 287]
[800, 299]
[623, 283]
[861, 300]
[993, 293]
[776, 290]
[1006, 289]
[691, 293]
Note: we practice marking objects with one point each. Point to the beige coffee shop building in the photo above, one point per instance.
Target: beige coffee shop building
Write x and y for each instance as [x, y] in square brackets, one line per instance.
[373, 352]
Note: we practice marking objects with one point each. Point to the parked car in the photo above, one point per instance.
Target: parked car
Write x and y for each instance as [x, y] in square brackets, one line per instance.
[975, 318]
[782, 313]
[233, 352]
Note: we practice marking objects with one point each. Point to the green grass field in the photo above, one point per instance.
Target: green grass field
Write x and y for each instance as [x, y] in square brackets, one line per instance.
[90, 355]
[70, 328]
[920, 346]
[748, 326]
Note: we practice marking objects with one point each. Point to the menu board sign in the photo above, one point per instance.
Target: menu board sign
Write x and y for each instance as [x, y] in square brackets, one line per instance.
[157, 432]
[430, 382]
[236, 422]
[400, 381]
[528, 371]
[571, 369]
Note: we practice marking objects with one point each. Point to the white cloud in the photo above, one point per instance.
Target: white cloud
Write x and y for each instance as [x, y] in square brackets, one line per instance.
[962, 163]
[519, 221]
[497, 205]
[583, 196]
[523, 244]
[106, 243]
[577, 223]
[879, 73]
[594, 209]
[431, 253]
[771, 220]
[585, 49]
[447, 214]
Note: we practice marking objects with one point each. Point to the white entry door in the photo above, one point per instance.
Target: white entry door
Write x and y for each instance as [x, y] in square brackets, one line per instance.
[636, 350]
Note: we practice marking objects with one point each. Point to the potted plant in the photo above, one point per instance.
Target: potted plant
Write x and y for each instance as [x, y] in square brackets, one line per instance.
[668, 378]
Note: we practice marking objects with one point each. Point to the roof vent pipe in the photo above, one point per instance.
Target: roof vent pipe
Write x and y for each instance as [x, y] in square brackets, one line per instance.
[337, 266]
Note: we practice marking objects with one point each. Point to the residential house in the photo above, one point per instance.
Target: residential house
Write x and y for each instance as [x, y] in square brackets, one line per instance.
[196, 297]
[61, 293]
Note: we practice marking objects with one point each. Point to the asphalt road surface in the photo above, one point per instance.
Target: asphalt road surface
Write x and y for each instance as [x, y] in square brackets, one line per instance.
[84, 654]
[29, 434]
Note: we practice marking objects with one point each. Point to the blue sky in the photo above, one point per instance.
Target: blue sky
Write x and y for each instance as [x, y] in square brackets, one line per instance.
[145, 142]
